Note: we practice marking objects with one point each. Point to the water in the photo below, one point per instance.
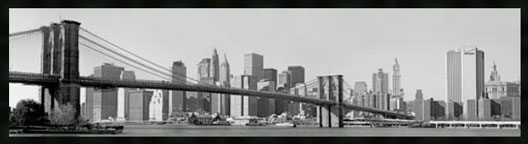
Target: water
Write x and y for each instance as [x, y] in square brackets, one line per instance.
[259, 131]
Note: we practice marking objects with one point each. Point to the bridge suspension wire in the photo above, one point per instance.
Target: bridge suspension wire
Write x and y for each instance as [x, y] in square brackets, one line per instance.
[24, 50]
[130, 59]
[94, 49]
[347, 85]
[24, 32]
[150, 62]
[137, 56]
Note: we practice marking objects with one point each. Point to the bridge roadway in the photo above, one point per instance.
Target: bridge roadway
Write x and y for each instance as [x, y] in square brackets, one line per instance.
[46, 79]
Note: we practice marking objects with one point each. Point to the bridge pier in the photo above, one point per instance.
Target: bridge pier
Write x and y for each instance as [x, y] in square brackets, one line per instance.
[331, 88]
[60, 56]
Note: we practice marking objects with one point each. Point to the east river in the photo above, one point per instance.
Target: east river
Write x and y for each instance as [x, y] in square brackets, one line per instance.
[263, 131]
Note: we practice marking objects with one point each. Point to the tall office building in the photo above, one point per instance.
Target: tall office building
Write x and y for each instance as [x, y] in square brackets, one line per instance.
[396, 87]
[254, 65]
[204, 68]
[266, 106]
[104, 101]
[89, 103]
[510, 108]
[225, 73]
[419, 105]
[471, 110]
[294, 108]
[204, 76]
[215, 66]
[283, 87]
[285, 80]
[380, 87]
[243, 105]
[297, 74]
[224, 79]
[178, 99]
[271, 75]
[139, 105]
[126, 75]
[360, 87]
[464, 77]
[488, 109]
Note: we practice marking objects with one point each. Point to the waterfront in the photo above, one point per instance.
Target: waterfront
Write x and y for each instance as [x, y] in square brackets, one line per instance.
[264, 131]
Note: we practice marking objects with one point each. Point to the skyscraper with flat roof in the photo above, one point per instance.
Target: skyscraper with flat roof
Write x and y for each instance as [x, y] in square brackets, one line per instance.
[126, 75]
[419, 105]
[380, 87]
[464, 77]
[178, 99]
[254, 65]
[271, 75]
[104, 101]
[297, 74]
[243, 105]
[139, 105]
[266, 106]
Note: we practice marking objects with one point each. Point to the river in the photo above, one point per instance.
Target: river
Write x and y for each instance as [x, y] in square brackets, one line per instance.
[263, 131]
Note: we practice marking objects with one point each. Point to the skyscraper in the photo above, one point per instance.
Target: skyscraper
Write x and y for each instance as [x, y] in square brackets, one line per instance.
[380, 87]
[297, 74]
[283, 87]
[204, 76]
[254, 65]
[243, 105]
[464, 77]
[139, 105]
[204, 68]
[285, 80]
[396, 78]
[266, 106]
[104, 101]
[360, 87]
[127, 75]
[271, 75]
[419, 105]
[178, 99]
[225, 73]
[215, 66]
[224, 79]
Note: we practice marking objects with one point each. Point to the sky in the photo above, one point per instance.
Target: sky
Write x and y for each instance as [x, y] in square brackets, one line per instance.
[352, 42]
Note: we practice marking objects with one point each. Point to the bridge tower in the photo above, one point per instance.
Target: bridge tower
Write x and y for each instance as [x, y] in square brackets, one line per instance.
[60, 56]
[331, 88]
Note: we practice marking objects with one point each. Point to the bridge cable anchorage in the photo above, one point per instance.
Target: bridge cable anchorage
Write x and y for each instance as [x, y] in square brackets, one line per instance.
[177, 75]
[123, 56]
[126, 63]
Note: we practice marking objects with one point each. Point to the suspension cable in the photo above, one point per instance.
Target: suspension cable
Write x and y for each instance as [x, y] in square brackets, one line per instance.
[163, 68]
[123, 56]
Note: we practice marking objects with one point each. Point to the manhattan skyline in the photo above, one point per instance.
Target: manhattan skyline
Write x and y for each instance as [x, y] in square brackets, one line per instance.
[352, 42]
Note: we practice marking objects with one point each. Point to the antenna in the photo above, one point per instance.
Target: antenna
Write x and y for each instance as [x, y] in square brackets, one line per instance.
[60, 16]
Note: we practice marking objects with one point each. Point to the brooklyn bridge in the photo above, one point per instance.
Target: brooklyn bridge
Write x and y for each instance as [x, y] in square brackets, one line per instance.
[61, 45]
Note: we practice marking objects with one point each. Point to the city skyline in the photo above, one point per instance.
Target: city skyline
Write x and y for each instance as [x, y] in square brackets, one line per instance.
[282, 57]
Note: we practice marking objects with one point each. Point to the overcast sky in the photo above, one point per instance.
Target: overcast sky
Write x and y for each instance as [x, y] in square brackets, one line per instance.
[352, 42]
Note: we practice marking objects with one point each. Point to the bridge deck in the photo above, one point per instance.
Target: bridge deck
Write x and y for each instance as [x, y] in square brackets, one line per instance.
[46, 79]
